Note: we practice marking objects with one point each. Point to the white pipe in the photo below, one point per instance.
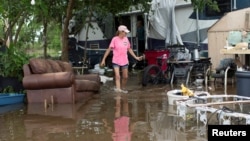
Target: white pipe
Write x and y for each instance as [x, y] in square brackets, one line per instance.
[188, 76]
[234, 8]
[172, 78]
[206, 76]
[146, 29]
[233, 5]
[217, 103]
[225, 80]
[197, 28]
[132, 31]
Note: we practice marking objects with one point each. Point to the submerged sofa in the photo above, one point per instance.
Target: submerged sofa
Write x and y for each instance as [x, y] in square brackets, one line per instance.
[54, 81]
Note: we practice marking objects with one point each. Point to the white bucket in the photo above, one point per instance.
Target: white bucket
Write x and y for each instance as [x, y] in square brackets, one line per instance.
[173, 95]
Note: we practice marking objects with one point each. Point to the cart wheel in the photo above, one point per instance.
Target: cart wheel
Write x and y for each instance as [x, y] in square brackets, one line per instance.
[151, 75]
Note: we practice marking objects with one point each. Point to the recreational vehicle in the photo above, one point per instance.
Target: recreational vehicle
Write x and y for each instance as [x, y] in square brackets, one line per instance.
[167, 23]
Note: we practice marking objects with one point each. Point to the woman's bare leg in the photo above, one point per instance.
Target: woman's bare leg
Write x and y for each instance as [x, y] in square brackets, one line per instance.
[117, 77]
[124, 78]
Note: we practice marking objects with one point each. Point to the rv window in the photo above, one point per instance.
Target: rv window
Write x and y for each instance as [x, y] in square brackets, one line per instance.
[94, 46]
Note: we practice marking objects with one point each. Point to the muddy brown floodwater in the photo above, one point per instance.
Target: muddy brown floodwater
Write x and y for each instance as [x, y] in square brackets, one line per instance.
[141, 115]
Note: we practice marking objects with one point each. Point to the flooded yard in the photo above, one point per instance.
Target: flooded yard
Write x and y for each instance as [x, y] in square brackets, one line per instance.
[141, 115]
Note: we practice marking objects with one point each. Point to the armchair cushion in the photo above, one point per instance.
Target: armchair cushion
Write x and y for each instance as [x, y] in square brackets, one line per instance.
[65, 66]
[54, 66]
[38, 66]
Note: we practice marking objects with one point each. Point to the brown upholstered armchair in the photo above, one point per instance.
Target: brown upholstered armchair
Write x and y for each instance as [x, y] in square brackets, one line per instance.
[55, 81]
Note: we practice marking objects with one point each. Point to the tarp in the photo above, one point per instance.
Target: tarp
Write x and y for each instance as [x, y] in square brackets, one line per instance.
[162, 23]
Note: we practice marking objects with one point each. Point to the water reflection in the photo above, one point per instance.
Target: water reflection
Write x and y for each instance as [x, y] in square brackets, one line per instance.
[57, 122]
[8, 108]
[141, 115]
[153, 121]
[122, 128]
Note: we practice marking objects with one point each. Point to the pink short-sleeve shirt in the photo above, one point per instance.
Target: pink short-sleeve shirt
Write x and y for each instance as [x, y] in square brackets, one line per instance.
[120, 48]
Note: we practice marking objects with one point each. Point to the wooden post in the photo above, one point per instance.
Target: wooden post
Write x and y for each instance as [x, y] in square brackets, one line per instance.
[45, 105]
[52, 102]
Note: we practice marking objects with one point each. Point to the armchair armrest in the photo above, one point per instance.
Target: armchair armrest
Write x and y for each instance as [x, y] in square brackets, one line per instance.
[26, 69]
[91, 77]
[48, 80]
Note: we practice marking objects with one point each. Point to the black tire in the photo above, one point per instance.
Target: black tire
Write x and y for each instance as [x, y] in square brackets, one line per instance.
[151, 74]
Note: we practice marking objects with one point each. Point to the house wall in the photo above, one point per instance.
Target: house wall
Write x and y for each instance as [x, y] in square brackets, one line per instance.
[217, 41]
[218, 33]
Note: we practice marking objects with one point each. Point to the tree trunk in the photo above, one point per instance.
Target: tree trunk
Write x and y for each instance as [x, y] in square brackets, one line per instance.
[19, 28]
[65, 34]
[8, 27]
[7, 34]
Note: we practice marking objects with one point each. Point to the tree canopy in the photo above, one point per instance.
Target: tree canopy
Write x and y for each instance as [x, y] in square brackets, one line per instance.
[21, 21]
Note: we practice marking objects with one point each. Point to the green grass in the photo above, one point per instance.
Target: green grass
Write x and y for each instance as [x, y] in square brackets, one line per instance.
[52, 53]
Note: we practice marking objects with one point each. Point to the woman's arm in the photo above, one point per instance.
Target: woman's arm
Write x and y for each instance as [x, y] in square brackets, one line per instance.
[133, 54]
[105, 56]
